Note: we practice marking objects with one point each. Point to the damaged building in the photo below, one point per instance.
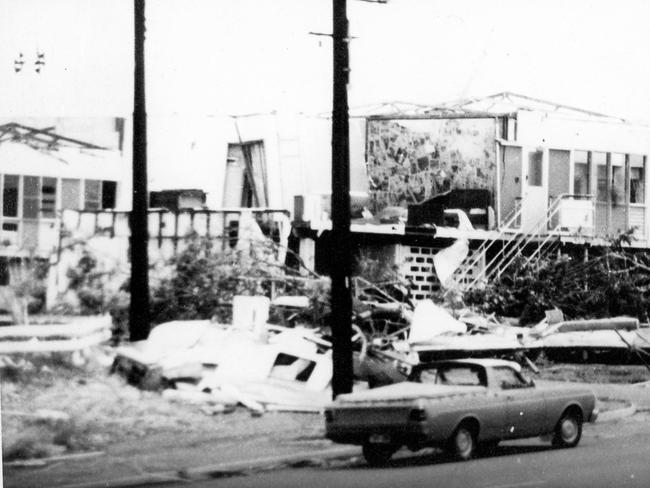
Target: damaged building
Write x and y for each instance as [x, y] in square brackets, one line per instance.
[531, 176]
[485, 179]
[43, 172]
[51, 165]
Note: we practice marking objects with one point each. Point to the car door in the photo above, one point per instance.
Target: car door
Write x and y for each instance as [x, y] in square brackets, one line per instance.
[525, 405]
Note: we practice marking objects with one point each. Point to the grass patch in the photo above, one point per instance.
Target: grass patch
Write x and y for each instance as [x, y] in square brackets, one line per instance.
[593, 373]
[42, 369]
[104, 411]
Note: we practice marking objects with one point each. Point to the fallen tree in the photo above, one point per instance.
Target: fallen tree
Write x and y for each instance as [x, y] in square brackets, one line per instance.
[605, 282]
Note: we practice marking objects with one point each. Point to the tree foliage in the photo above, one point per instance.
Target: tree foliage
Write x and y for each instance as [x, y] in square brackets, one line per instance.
[615, 281]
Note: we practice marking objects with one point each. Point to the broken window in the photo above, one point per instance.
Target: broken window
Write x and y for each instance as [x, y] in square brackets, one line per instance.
[109, 190]
[92, 195]
[246, 182]
[48, 198]
[637, 179]
[70, 193]
[618, 178]
[580, 173]
[535, 169]
[289, 367]
[600, 161]
[10, 196]
[31, 196]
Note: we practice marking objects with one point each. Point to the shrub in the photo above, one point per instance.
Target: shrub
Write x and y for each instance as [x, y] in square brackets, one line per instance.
[201, 282]
[88, 282]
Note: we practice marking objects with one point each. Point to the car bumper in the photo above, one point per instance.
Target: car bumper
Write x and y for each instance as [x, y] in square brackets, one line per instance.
[404, 434]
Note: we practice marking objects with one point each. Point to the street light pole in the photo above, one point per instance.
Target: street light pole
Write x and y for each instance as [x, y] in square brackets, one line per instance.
[139, 284]
[341, 259]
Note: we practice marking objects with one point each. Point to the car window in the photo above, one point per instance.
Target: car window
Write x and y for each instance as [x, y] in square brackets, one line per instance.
[453, 375]
[508, 378]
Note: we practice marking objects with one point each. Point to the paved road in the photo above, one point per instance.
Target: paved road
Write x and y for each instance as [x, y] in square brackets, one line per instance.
[612, 455]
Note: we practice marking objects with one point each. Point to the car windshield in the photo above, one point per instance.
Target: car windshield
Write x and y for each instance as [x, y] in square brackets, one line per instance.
[457, 375]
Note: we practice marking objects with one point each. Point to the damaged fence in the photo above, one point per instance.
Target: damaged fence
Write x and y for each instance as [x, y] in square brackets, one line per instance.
[79, 333]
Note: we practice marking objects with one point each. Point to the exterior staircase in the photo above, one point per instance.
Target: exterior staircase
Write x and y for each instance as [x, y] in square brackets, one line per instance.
[498, 254]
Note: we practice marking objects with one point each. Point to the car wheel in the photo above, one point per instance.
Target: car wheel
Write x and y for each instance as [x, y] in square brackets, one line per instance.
[462, 443]
[377, 454]
[568, 430]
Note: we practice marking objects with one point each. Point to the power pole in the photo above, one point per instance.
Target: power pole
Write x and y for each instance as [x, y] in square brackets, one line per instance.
[341, 259]
[139, 285]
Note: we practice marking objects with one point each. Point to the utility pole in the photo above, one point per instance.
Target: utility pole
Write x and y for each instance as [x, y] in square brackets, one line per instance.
[139, 285]
[341, 259]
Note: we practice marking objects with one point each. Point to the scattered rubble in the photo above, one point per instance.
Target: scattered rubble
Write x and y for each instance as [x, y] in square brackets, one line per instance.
[615, 339]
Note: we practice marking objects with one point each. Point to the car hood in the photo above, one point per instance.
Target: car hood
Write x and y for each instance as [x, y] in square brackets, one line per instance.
[406, 391]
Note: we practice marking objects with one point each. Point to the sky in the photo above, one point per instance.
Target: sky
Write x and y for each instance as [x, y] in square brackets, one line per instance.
[209, 57]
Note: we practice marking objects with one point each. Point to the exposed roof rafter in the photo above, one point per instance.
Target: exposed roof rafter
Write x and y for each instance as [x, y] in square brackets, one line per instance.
[40, 137]
[499, 104]
[525, 102]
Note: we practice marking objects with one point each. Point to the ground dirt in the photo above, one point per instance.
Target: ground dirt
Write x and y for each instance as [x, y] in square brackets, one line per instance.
[104, 411]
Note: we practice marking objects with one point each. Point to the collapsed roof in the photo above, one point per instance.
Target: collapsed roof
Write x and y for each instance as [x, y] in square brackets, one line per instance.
[41, 152]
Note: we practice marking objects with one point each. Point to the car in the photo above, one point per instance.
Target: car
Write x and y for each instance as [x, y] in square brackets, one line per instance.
[462, 406]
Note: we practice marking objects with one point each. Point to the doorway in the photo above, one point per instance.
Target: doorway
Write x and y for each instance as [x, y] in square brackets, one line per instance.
[534, 198]
[510, 185]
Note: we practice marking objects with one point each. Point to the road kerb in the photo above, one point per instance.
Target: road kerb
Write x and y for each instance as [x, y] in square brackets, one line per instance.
[219, 469]
[148, 479]
[260, 463]
[619, 413]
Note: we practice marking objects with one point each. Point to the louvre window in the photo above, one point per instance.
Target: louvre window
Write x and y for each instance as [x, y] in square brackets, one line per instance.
[637, 179]
[600, 160]
[581, 173]
[31, 196]
[618, 178]
[92, 195]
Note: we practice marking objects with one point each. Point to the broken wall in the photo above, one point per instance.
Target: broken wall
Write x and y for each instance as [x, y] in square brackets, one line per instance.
[409, 161]
[296, 147]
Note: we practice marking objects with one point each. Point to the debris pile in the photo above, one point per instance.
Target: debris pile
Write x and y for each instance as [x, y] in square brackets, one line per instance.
[267, 367]
[249, 362]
